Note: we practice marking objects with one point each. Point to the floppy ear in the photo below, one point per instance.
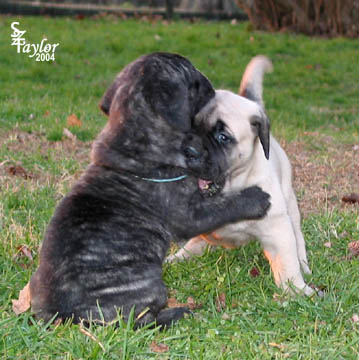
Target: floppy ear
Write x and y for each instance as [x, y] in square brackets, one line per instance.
[175, 89]
[107, 98]
[168, 98]
[260, 125]
[252, 80]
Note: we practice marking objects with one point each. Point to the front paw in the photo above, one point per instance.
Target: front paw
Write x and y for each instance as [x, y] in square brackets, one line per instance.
[255, 203]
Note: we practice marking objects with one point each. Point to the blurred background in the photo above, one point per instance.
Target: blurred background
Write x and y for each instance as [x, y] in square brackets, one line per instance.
[323, 17]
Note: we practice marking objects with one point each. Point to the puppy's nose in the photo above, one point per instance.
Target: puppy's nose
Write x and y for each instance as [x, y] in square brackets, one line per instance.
[192, 153]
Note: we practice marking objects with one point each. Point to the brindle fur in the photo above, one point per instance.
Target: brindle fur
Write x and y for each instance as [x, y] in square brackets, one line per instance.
[107, 240]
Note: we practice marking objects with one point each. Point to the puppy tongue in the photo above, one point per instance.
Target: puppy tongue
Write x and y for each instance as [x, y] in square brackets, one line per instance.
[204, 184]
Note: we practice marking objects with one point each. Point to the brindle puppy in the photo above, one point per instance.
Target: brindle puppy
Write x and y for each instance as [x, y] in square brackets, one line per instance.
[107, 240]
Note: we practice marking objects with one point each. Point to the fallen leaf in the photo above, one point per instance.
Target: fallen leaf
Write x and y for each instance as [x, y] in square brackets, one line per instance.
[69, 134]
[23, 303]
[173, 303]
[17, 170]
[353, 248]
[73, 120]
[221, 302]
[25, 250]
[351, 198]
[254, 272]
[191, 304]
[158, 347]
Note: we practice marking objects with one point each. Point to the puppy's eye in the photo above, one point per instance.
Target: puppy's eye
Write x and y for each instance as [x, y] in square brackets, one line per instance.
[223, 138]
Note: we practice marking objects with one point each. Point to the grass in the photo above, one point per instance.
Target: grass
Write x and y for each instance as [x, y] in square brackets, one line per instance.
[314, 89]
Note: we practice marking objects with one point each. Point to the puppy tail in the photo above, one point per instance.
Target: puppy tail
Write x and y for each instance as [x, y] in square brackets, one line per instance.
[252, 80]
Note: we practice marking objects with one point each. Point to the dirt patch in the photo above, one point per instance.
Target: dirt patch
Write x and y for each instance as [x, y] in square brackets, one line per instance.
[324, 174]
[20, 141]
[34, 146]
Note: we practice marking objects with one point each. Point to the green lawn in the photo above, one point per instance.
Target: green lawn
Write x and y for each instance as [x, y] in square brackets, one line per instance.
[314, 89]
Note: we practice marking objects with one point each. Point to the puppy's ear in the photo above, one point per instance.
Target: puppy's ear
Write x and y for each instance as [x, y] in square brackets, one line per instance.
[261, 126]
[252, 80]
[175, 89]
[168, 98]
[107, 98]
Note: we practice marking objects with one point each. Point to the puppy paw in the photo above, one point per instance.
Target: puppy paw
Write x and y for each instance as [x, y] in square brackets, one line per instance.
[167, 317]
[255, 203]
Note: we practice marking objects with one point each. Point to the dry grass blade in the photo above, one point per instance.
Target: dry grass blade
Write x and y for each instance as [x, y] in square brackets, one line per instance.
[91, 336]
[143, 313]
[69, 134]
[221, 302]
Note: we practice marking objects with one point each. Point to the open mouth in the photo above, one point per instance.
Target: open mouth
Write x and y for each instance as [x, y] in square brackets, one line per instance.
[208, 187]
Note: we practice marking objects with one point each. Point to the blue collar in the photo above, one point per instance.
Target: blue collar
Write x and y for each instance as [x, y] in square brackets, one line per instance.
[163, 180]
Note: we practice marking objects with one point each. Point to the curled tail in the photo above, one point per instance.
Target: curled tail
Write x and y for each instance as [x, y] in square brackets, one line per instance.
[252, 80]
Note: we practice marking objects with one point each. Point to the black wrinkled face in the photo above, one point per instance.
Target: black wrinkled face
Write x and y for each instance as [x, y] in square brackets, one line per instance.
[216, 141]
[219, 142]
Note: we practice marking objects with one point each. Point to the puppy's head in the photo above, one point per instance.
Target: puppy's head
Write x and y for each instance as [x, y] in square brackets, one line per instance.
[236, 125]
[151, 107]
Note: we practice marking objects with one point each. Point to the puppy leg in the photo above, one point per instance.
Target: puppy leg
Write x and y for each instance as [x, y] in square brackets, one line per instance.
[195, 246]
[295, 219]
[208, 214]
[280, 248]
